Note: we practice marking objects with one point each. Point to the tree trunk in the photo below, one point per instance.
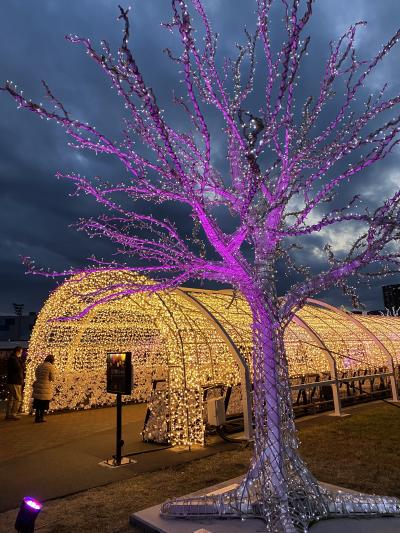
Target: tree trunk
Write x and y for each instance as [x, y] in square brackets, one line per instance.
[278, 486]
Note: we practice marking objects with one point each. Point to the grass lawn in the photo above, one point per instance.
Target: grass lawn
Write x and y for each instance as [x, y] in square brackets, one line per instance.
[360, 452]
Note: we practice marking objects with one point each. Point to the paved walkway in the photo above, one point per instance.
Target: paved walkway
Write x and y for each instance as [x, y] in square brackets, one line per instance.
[62, 456]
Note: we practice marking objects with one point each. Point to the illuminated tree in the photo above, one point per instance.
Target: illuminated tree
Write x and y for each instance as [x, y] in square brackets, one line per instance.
[285, 169]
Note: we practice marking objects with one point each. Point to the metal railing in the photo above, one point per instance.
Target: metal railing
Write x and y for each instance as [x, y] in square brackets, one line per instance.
[361, 384]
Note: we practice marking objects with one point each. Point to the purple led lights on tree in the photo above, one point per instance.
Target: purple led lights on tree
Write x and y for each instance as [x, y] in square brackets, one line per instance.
[285, 168]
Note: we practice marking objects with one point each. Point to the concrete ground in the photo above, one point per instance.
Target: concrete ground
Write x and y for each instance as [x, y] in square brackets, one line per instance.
[62, 456]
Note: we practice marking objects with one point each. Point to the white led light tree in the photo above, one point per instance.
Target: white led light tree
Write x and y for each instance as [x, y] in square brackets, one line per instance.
[286, 171]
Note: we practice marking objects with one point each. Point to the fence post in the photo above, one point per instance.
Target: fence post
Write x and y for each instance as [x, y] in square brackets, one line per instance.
[393, 380]
[335, 388]
[246, 401]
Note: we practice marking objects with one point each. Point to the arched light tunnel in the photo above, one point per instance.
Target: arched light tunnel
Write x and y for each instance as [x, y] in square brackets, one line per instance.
[187, 341]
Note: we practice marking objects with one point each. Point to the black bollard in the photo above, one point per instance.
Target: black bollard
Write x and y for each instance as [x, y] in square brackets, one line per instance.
[119, 441]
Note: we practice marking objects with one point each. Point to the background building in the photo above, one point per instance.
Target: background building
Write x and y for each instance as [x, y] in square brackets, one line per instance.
[17, 327]
[391, 296]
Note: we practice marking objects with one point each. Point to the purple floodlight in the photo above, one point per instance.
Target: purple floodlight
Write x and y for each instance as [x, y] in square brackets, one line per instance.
[32, 503]
[27, 514]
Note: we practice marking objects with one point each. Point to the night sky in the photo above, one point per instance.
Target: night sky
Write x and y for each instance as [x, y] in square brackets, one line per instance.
[36, 212]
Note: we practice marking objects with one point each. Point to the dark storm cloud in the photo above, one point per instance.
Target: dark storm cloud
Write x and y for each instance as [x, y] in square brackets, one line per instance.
[36, 211]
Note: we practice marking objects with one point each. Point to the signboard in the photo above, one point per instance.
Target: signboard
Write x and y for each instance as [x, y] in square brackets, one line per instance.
[119, 372]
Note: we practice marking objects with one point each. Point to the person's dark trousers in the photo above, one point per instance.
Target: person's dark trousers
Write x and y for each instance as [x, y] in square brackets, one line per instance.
[39, 415]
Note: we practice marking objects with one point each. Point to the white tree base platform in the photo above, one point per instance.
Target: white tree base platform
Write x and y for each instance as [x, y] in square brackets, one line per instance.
[150, 521]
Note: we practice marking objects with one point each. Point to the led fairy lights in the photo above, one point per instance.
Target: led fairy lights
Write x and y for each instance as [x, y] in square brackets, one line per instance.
[277, 158]
[166, 336]
[170, 339]
[351, 347]
[79, 346]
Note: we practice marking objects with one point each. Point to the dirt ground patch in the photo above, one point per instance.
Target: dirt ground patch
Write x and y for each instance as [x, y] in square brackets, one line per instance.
[359, 452]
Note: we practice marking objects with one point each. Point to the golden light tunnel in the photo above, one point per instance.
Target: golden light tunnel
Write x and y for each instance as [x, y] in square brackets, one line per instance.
[192, 339]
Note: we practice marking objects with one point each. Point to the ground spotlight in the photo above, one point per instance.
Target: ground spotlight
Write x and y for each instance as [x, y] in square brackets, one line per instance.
[28, 511]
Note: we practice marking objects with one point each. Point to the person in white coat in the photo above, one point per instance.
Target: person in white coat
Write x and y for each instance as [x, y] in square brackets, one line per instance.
[43, 387]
